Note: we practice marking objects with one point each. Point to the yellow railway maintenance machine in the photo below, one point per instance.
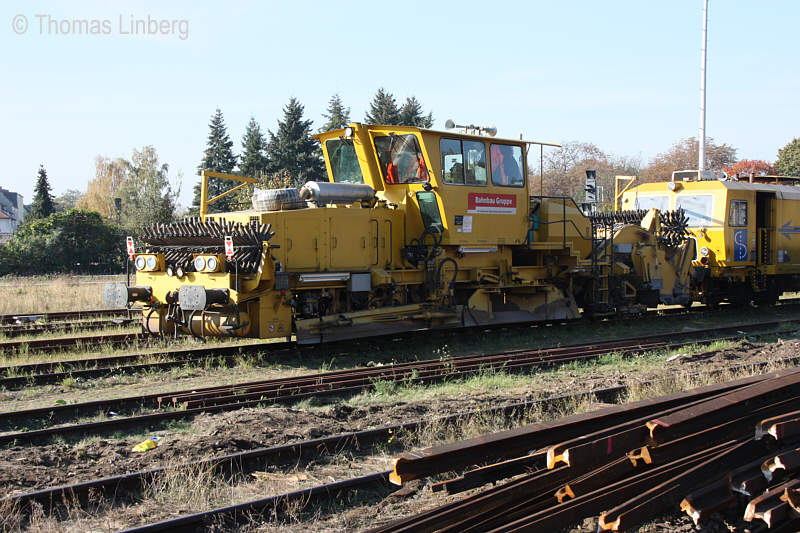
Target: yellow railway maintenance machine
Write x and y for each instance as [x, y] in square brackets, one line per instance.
[414, 229]
[746, 233]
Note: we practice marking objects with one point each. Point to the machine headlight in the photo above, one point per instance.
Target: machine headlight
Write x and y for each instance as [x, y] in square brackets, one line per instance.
[151, 262]
[140, 263]
[199, 263]
[179, 272]
[212, 264]
[704, 251]
[170, 271]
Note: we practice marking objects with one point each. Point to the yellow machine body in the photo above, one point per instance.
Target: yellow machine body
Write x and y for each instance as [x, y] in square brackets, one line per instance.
[414, 229]
[746, 235]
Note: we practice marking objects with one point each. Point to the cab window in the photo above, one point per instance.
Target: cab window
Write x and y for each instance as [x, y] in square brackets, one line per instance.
[344, 161]
[452, 160]
[506, 165]
[647, 202]
[401, 159]
[475, 162]
[463, 162]
[429, 210]
[738, 213]
[697, 207]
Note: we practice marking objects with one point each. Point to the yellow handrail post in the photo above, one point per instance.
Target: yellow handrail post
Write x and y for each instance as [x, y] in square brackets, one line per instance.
[617, 193]
[205, 174]
[203, 194]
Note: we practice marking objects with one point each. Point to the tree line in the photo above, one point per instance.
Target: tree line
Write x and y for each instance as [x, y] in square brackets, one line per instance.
[563, 172]
[84, 232]
[288, 157]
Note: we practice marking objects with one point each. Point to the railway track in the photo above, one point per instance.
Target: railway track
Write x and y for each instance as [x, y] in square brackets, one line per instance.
[127, 485]
[31, 318]
[26, 324]
[188, 403]
[17, 376]
[19, 330]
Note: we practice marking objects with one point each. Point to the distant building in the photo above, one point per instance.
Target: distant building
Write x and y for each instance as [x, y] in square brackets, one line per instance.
[12, 213]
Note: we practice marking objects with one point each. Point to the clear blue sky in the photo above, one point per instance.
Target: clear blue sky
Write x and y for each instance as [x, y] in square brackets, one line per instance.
[623, 74]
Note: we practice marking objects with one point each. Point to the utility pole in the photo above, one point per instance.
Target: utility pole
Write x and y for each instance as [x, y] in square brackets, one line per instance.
[701, 164]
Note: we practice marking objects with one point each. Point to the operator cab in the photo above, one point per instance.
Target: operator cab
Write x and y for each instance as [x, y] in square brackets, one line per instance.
[467, 188]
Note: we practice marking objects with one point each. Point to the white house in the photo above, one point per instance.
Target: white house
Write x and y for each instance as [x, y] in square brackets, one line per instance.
[12, 212]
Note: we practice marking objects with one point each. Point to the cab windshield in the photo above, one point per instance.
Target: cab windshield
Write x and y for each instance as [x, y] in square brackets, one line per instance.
[401, 159]
[344, 161]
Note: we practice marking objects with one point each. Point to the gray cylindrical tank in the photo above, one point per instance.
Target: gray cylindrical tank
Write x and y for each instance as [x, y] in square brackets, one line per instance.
[322, 193]
[277, 199]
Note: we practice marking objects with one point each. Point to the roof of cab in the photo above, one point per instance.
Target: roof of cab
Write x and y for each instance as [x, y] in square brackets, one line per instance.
[439, 132]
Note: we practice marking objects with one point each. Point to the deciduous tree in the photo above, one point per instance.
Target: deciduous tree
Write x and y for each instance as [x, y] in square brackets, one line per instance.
[147, 195]
[565, 170]
[75, 241]
[110, 176]
[788, 163]
[683, 155]
[746, 167]
[67, 200]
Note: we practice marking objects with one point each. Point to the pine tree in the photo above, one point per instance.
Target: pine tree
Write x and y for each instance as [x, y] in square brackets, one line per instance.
[338, 116]
[42, 206]
[383, 109]
[291, 148]
[218, 157]
[411, 114]
[253, 161]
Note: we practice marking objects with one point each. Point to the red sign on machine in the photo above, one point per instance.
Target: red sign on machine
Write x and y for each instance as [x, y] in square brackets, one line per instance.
[131, 251]
[228, 247]
[503, 204]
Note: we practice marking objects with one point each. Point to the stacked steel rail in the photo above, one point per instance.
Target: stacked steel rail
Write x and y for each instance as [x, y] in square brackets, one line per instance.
[700, 451]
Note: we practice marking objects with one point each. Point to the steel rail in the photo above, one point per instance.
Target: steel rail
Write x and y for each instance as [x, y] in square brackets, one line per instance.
[18, 330]
[60, 412]
[37, 345]
[67, 315]
[517, 442]
[266, 508]
[292, 452]
[40, 345]
[17, 376]
[283, 390]
[27, 375]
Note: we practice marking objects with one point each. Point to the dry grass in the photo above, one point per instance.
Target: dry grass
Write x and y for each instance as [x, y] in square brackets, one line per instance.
[39, 294]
